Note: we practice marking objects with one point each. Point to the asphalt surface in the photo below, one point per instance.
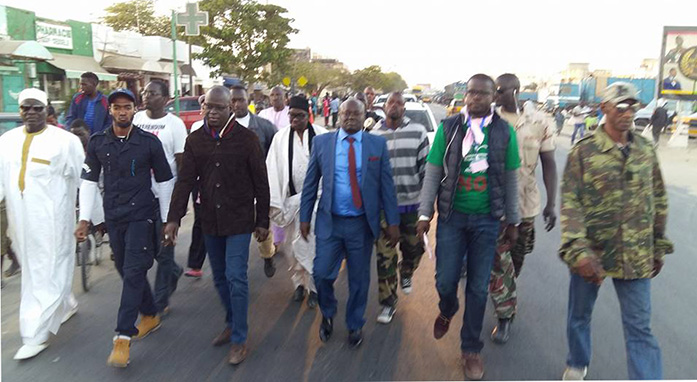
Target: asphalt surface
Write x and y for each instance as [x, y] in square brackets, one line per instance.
[284, 343]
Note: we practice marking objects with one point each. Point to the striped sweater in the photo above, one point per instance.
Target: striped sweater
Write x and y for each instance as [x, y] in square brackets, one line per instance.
[408, 146]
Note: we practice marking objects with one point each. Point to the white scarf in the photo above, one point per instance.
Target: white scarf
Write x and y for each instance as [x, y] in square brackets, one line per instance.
[474, 131]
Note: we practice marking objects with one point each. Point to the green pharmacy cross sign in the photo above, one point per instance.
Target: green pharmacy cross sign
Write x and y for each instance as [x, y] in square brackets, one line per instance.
[192, 19]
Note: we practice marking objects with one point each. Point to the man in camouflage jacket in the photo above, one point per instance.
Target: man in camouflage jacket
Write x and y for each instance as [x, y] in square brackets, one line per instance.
[613, 219]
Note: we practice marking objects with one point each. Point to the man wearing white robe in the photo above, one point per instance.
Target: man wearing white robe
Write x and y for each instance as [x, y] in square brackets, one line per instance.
[39, 173]
[284, 159]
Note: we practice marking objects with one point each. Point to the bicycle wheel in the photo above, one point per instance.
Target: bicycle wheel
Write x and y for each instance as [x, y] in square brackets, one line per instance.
[86, 250]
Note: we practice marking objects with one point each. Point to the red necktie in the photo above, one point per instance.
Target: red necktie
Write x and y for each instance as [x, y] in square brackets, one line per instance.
[355, 190]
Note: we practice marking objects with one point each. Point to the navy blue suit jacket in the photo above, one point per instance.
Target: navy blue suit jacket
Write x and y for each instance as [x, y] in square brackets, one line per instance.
[377, 186]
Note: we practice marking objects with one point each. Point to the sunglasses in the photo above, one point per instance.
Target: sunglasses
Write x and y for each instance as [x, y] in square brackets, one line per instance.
[623, 107]
[36, 108]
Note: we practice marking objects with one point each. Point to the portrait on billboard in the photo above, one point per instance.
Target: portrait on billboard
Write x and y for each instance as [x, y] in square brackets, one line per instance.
[678, 71]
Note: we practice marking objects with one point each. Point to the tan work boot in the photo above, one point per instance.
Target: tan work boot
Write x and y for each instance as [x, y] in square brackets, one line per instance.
[147, 325]
[473, 365]
[119, 356]
[238, 352]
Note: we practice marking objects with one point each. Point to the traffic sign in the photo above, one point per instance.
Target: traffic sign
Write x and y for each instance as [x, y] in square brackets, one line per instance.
[302, 81]
[286, 81]
[192, 19]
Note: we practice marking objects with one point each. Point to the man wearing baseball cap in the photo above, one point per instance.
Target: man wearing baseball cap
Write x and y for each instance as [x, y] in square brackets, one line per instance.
[613, 220]
[39, 175]
[127, 155]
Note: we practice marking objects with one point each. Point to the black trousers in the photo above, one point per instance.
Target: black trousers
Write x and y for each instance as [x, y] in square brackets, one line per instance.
[134, 246]
[335, 116]
[197, 249]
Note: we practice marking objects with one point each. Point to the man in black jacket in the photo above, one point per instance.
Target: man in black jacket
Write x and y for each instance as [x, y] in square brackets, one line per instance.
[659, 120]
[227, 162]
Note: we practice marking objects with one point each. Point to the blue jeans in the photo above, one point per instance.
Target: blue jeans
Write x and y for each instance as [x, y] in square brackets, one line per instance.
[471, 238]
[228, 256]
[578, 128]
[643, 353]
[133, 244]
[352, 239]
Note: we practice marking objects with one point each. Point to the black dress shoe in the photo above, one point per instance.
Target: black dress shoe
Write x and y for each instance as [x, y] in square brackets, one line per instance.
[325, 329]
[502, 331]
[299, 294]
[312, 300]
[355, 338]
[269, 268]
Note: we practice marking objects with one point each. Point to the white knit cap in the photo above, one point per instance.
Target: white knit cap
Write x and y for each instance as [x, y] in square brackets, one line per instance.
[33, 93]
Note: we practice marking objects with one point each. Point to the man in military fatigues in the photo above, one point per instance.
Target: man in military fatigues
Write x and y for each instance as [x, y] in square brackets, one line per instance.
[613, 219]
[535, 135]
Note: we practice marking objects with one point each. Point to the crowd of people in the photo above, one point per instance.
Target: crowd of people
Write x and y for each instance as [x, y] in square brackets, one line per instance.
[328, 196]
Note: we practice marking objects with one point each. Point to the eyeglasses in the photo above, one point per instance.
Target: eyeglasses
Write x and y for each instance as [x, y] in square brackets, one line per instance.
[624, 107]
[36, 108]
[292, 116]
[150, 93]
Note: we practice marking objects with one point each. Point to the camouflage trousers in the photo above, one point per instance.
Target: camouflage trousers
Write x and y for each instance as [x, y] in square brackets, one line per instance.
[507, 265]
[388, 260]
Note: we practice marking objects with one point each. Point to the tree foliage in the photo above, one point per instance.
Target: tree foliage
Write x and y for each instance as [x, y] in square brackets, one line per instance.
[137, 16]
[245, 37]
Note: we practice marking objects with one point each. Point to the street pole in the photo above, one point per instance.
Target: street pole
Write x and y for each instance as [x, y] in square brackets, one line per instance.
[191, 76]
[174, 63]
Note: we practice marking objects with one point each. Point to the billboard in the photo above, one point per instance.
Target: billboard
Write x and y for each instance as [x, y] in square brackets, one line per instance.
[678, 70]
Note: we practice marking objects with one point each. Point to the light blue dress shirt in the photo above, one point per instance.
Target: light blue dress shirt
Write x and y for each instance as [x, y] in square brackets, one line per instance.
[342, 200]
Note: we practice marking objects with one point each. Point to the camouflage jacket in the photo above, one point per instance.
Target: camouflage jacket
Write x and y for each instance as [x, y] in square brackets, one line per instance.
[614, 208]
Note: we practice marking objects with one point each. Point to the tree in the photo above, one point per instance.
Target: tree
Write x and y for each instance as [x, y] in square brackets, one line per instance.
[319, 76]
[244, 37]
[137, 16]
[393, 82]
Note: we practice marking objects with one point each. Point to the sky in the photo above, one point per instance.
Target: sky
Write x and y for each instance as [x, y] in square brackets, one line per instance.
[443, 41]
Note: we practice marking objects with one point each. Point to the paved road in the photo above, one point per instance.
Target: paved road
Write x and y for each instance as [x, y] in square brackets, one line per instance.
[283, 335]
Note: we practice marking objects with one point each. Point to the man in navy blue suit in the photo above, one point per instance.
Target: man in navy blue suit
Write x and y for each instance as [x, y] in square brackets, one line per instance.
[357, 186]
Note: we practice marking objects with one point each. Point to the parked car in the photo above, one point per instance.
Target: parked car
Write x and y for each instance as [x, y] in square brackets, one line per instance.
[189, 110]
[643, 116]
[9, 121]
[455, 106]
[419, 113]
[380, 100]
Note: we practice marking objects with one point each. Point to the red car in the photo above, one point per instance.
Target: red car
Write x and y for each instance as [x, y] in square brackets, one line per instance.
[189, 110]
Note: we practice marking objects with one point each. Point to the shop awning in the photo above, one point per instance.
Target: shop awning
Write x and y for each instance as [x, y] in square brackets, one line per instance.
[23, 50]
[74, 66]
[184, 69]
[134, 64]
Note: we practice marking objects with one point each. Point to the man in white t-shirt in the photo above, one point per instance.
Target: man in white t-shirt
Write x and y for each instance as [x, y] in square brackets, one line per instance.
[172, 133]
[578, 117]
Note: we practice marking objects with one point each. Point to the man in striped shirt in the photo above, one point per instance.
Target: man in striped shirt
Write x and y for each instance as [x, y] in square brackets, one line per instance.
[408, 145]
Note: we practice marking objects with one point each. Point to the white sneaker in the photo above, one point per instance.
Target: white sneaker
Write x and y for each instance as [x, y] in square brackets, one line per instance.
[386, 314]
[574, 374]
[405, 283]
[29, 351]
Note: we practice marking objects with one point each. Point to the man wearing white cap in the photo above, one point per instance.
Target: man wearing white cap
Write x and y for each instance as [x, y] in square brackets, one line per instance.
[39, 174]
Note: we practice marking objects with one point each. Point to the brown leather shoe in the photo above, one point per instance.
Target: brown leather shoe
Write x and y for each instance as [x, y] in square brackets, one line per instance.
[473, 365]
[223, 338]
[238, 353]
[441, 326]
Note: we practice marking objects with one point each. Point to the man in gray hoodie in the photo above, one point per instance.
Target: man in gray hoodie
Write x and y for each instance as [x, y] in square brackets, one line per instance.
[407, 143]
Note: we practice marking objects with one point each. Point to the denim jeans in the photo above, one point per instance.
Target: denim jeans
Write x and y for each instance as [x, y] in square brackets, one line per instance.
[228, 256]
[352, 239]
[133, 244]
[643, 353]
[579, 128]
[470, 238]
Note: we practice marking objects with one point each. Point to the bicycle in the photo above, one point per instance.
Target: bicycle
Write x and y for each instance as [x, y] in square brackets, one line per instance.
[89, 253]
